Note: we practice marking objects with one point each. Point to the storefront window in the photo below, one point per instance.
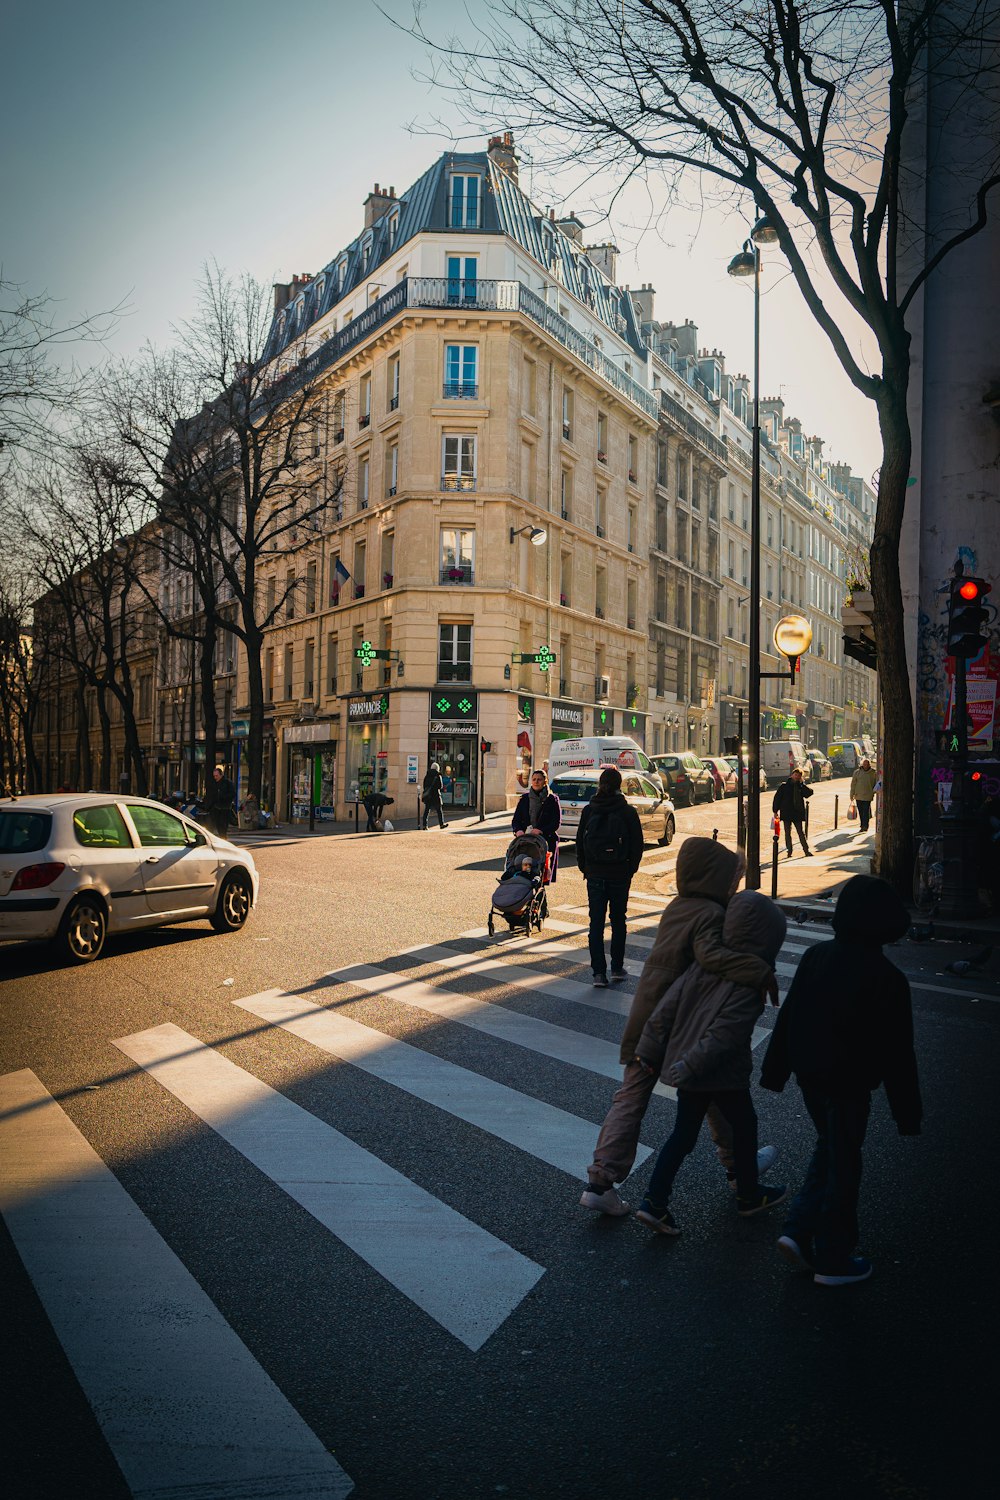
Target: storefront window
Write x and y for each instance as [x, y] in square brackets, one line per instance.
[457, 756]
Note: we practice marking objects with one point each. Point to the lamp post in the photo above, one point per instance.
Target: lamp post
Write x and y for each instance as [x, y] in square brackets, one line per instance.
[747, 263]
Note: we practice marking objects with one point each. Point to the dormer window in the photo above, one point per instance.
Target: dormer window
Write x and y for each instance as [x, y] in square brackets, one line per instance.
[366, 254]
[320, 284]
[393, 228]
[341, 275]
[463, 202]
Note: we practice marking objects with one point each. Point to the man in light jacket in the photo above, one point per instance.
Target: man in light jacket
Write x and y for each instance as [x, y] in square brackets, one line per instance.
[863, 790]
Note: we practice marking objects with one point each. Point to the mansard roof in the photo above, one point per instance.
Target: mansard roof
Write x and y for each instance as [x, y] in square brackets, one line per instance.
[506, 210]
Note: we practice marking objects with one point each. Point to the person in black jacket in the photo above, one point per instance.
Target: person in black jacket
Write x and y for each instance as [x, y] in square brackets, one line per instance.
[430, 795]
[538, 811]
[845, 1028]
[608, 852]
[219, 797]
[790, 806]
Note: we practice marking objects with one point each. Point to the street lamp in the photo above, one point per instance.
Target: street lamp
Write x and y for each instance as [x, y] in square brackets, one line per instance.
[747, 263]
[536, 535]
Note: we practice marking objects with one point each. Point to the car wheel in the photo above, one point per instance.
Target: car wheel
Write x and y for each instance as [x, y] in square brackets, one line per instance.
[712, 792]
[233, 905]
[82, 930]
[692, 796]
[668, 832]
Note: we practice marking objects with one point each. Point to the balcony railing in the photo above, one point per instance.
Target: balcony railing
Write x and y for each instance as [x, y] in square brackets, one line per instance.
[454, 671]
[460, 390]
[458, 481]
[457, 575]
[488, 296]
[364, 419]
[695, 429]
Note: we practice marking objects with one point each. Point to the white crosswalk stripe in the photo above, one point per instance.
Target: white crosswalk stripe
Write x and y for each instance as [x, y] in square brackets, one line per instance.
[394, 1225]
[220, 1424]
[185, 1407]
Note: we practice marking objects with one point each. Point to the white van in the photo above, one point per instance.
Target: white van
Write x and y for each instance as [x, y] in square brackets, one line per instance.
[779, 758]
[594, 751]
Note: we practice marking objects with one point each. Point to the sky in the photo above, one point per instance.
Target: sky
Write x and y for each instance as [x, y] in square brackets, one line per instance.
[144, 139]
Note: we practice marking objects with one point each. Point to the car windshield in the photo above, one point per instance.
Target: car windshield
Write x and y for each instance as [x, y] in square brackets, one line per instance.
[23, 832]
[573, 791]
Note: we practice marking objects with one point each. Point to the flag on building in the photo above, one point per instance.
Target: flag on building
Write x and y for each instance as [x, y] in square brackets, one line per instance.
[340, 577]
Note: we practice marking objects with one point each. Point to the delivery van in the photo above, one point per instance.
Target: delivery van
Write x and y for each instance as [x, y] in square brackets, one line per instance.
[845, 756]
[592, 752]
[779, 758]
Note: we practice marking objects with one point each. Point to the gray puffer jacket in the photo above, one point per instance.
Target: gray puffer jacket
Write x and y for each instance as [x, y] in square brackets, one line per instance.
[700, 1033]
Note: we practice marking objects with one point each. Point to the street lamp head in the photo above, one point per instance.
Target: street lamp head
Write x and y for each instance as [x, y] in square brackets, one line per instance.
[744, 264]
[537, 535]
[793, 635]
[764, 232]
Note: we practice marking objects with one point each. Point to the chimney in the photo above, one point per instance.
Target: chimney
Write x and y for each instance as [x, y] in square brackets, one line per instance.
[282, 294]
[378, 202]
[643, 302]
[501, 151]
[605, 258]
[572, 227]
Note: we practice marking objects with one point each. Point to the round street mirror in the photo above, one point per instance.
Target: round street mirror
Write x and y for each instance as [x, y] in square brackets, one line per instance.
[793, 635]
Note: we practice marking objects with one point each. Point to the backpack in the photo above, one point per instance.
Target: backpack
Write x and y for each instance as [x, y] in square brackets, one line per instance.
[605, 838]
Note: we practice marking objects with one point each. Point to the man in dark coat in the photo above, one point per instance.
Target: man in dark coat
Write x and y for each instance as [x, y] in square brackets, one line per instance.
[608, 862]
[845, 1028]
[790, 806]
[375, 804]
[220, 795]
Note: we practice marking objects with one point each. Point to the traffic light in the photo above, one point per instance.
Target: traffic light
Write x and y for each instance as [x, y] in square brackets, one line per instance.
[486, 746]
[966, 615]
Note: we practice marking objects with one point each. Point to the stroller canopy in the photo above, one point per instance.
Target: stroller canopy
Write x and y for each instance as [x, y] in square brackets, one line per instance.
[532, 845]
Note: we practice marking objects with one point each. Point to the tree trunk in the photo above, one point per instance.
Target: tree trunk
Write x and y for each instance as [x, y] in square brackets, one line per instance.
[105, 718]
[255, 737]
[209, 710]
[895, 849]
[84, 762]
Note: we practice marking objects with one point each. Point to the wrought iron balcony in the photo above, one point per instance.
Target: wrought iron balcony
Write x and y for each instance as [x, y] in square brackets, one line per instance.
[458, 481]
[460, 390]
[457, 575]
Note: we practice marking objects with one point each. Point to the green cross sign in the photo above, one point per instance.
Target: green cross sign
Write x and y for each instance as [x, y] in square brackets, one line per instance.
[464, 705]
[544, 658]
[443, 705]
[365, 653]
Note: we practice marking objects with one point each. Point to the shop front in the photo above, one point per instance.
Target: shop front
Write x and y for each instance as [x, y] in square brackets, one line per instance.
[367, 746]
[453, 741]
[312, 771]
[524, 755]
[567, 721]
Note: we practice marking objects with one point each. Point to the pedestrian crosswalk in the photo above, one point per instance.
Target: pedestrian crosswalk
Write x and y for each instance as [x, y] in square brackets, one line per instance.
[511, 1009]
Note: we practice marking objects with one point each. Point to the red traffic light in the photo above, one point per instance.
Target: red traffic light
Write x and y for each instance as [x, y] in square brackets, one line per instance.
[970, 589]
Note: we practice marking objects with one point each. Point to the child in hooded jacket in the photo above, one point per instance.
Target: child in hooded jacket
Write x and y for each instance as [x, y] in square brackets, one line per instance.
[845, 1028]
[699, 1039]
[690, 928]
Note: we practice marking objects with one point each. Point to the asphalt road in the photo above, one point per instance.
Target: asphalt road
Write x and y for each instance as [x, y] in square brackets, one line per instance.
[234, 1253]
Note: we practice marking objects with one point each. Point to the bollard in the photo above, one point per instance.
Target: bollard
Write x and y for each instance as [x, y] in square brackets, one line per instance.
[715, 833]
[418, 809]
[836, 809]
[774, 859]
[356, 806]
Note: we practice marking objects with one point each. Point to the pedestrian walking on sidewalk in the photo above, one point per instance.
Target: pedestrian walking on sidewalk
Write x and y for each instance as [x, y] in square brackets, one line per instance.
[790, 806]
[430, 796]
[863, 791]
[220, 795]
[690, 928]
[845, 1028]
[538, 811]
[699, 1039]
[608, 852]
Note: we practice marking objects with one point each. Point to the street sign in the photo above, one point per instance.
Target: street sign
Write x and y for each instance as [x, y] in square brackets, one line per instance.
[411, 770]
[543, 658]
[366, 654]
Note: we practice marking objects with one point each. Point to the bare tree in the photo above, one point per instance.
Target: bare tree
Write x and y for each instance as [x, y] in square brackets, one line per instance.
[802, 107]
[226, 440]
[19, 767]
[34, 390]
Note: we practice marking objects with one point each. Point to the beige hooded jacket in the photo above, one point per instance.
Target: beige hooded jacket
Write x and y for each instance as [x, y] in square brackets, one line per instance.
[690, 929]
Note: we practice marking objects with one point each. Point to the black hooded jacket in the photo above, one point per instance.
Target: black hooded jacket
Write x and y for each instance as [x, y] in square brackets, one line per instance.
[847, 1025]
[631, 828]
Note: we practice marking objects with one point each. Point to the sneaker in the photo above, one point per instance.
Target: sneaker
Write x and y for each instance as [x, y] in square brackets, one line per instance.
[618, 975]
[600, 981]
[662, 1220]
[798, 1253]
[766, 1157]
[767, 1196]
[857, 1268]
[604, 1200]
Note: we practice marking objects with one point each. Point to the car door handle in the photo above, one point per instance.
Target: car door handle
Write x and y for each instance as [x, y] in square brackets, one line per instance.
[152, 859]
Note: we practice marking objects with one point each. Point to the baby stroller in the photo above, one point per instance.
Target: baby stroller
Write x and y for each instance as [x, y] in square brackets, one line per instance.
[520, 896]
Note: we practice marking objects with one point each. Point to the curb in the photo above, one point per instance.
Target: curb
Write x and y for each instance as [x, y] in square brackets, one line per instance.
[980, 932]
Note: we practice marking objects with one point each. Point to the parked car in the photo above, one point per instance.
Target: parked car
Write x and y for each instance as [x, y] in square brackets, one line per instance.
[822, 770]
[686, 778]
[724, 773]
[845, 756]
[762, 779]
[780, 758]
[77, 867]
[591, 752]
[656, 811]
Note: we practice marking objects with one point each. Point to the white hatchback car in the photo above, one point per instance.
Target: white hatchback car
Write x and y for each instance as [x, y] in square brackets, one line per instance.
[656, 811]
[75, 867]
